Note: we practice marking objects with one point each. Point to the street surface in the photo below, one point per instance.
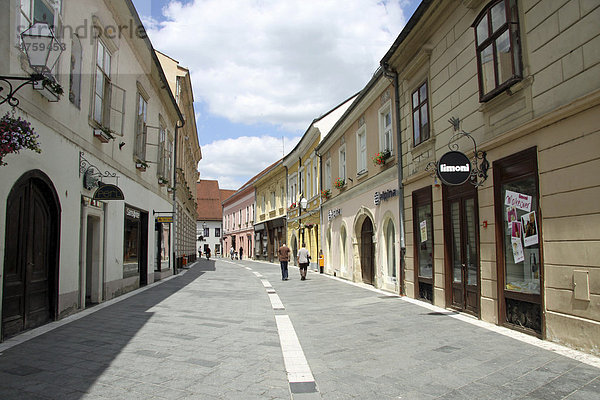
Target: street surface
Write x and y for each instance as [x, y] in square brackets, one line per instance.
[234, 330]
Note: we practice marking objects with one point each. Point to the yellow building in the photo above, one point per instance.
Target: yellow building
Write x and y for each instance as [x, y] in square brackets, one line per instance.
[303, 166]
[270, 223]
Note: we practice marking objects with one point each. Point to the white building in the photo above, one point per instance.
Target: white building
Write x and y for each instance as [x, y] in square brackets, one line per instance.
[114, 124]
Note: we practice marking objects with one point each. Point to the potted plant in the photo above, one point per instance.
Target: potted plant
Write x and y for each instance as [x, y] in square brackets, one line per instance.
[104, 134]
[292, 206]
[162, 181]
[141, 164]
[339, 183]
[326, 194]
[16, 134]
[49, 88]
[381, 157]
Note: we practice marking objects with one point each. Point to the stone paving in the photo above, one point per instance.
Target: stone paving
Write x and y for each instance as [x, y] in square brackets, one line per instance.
[212, 333]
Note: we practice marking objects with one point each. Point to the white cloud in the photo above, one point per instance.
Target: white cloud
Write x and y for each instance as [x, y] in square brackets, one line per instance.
[277, 62]
[233, 161]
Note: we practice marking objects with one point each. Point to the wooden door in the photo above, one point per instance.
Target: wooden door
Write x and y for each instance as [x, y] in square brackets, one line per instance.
[462, 233]
[31, 257]
[366, 252]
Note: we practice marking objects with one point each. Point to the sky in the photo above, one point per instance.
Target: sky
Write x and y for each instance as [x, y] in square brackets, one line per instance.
[263, 70]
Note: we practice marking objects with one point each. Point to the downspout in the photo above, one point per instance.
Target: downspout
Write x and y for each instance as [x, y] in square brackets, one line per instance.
[175, 222]
[392, 74]
[320, 205]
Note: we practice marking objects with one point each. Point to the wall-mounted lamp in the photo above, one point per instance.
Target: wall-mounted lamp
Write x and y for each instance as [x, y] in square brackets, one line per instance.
[303, 203]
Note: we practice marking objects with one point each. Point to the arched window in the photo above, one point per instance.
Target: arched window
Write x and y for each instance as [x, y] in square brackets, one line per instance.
[390, 241]
[343, 248]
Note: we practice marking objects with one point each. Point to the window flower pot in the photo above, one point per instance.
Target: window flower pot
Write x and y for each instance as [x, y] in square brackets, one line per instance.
[103, 134]
[141, 165]
[340, 183]
[49, 88]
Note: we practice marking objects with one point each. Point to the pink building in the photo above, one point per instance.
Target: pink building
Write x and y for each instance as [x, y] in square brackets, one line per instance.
[238, 220]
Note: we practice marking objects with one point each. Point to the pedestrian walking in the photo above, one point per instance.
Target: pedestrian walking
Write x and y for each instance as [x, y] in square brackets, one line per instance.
[232, 253]
[241, 252]
[303, 261]
[284, 258]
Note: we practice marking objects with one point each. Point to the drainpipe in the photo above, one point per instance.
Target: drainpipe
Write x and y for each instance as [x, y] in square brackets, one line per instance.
[392, 74]
[175, 222]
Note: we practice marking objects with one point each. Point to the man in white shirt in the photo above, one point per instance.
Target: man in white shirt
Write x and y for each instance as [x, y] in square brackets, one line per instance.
[303, 261]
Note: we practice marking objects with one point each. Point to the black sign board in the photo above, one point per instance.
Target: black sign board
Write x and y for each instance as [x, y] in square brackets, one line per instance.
[108, 192]
[454, 168]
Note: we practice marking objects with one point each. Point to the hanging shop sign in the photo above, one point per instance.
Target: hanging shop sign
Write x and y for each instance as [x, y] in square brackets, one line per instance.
[108, 192]
[385, 195]
[165, 220]
[454, 168]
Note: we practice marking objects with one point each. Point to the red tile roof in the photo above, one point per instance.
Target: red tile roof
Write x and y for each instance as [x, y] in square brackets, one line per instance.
[209, 200]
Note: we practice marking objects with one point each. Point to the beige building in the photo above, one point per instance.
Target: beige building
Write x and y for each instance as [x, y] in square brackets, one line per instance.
[360, 211]
[270, 223]
[520, 248]
[90, 200]
[187, 155]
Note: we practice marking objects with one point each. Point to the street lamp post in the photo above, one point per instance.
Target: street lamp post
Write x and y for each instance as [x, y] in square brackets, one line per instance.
[42, 49]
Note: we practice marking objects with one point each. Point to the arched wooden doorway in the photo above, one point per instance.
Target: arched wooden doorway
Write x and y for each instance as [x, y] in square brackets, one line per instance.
[32, 240]
[367, 254]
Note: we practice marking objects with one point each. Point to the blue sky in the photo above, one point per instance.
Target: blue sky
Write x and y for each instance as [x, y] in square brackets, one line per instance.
[262, 70]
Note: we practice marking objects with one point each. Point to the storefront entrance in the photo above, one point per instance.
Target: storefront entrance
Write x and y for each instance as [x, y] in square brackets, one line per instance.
[461, 229]
[366, 252]
[31, 257]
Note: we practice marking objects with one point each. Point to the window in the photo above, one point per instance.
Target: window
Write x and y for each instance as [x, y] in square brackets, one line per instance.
[131, 245]
[206, 232]
[342, 155]
[75, 72]
[301, 181]
[328, 174]
[498, 49]
[272, 200]
[423, 239]
[217, 232]
[264, 204]
[141, 128]
[102, 86]
[161, 171]
[420, 107]
[308, 182]
[390, 240]
[385, 128]
[315, 178]
[361, 150]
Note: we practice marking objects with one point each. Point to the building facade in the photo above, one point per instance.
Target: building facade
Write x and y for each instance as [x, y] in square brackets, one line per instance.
[209, 225]
[84, 242]
[238, 222]
[303, 166]
[270, 224]
[518, 244]
[187, 154]
[360, 214]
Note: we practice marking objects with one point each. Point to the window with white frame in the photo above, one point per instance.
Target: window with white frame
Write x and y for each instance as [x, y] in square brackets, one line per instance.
[272, 200]
[292, 185]
[386, 141]
[328, 174]
[361, 150]
[301, 181]
[282, 197]
[264, 204]
[102, 85]
[141, 127]
[315, 177]
[308, 181]
[342, 165]
[162, 149]
[75, 72]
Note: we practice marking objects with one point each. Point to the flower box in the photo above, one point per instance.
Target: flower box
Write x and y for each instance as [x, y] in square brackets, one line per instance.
[48, 88]
[103, 134]
[141, 165]
[326, 194]
[339, 183]
[381, 157]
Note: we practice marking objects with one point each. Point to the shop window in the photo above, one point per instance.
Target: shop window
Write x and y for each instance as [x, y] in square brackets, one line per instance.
[423, 239]
[131, 242]
[498, 49]
[390, 245]
[420, 107]
[518, 220]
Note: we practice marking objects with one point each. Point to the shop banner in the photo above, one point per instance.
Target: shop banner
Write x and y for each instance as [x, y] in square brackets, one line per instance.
[518, 200]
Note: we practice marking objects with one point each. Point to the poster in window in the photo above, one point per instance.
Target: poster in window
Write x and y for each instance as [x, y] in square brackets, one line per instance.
[530, 229]
[515, 230]
[518, 200]
[423, 226]
[517, 247]
[511, 216]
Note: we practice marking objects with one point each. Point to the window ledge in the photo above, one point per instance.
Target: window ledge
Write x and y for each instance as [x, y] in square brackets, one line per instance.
[361, 174]
[501, 97]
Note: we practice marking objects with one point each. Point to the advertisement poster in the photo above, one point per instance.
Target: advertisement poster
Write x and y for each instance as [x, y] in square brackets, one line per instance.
[423, 231]
[511, 216]
[517, 247]
[530, 229]
[515, 230]
[518, 200]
